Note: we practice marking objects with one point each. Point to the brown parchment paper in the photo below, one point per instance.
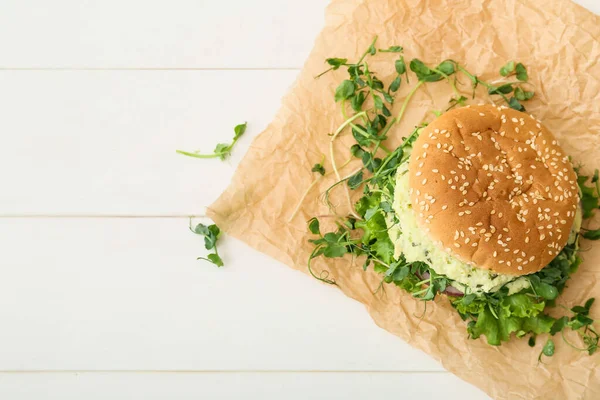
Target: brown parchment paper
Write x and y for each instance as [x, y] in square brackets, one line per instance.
[560, 44]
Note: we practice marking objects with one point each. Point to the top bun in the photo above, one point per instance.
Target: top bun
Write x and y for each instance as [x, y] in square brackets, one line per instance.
[493, 187]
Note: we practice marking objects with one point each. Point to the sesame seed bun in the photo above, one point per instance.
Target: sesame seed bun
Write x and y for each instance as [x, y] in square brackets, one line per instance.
[492, 186]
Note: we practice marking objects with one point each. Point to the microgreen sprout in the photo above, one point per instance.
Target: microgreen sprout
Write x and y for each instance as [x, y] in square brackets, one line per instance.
[211, 234]
[222, 150]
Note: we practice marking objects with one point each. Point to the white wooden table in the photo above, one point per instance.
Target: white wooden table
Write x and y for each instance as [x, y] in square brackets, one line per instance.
[100, 293]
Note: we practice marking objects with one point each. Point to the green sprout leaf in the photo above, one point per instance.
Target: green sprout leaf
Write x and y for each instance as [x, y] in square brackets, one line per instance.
[395, 85]
[239, 130]
[507, 68]
[392, 49]
[418, 67]
[386, 111]
[592, 235]
[345, 90]
[514, 104]
[372, 49]
[314, 227]
[447, 67]
[356, 102]
[504, 89]
[521, 73]
[356, 151]
[559, 325]
[378, 102]
[423, 72]
[215, 259]
[547, 350]
[543, 289]
[318, 168]
[589, 303]
[336, 62]
[334, 250]
[522, 95]
[400, 66]
[356, 180]
[590, 194]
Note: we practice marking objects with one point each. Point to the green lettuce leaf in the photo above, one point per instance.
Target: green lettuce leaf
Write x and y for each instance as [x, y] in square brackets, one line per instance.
[521, 305]
[590, 196]
[498, 318]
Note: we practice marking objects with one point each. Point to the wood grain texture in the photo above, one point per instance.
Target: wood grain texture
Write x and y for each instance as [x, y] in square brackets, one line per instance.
[158, 34]
[128, 294]
[220, 386]
[103, 142]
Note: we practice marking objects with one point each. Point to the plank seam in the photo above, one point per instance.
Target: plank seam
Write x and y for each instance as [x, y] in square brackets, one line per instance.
[75, 371]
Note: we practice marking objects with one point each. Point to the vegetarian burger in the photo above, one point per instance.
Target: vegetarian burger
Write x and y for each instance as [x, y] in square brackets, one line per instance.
[487, 197]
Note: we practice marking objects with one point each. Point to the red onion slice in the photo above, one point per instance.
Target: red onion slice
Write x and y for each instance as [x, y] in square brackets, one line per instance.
[450, 290]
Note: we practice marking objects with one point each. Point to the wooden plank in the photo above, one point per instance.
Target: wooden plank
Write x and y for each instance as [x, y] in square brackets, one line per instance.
[103, 142]
[158, 34]
[162, 34]
[182, 386]
[128, 294]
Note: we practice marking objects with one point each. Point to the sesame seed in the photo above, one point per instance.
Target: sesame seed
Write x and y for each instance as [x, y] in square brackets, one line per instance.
[424, 181]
